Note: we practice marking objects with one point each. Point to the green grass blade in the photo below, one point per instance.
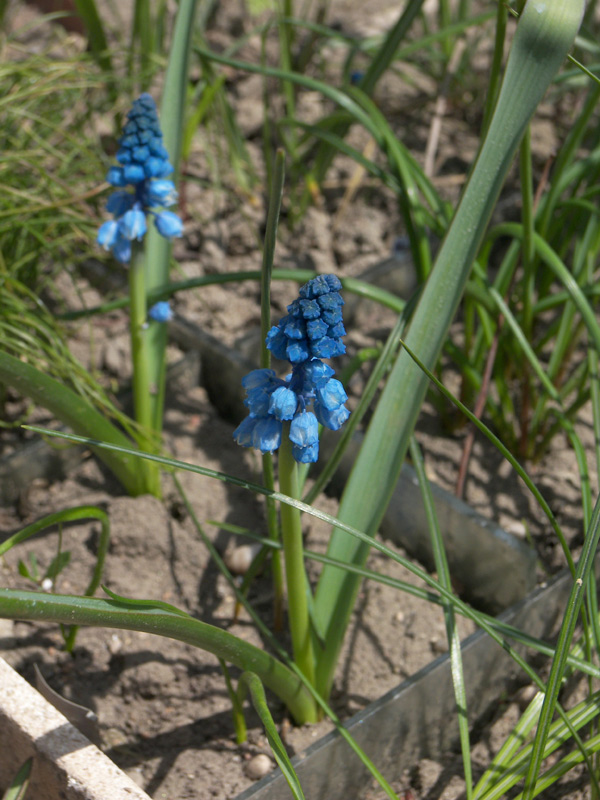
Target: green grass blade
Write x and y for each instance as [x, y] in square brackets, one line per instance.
[443, 571]
[462, 608]
[59, 518]
[259, 701]
[20, 783]
[381, 61]
[275, 197]
[158, 619]
[88, 11]
[354, 285]
[76, 412]
[501, 761]
[510, 771]
[550, 776]
[562, 648]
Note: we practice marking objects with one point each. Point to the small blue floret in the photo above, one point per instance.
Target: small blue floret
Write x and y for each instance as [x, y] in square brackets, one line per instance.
[168, 224]
[283, 403]
[107, 234]
[161, 311]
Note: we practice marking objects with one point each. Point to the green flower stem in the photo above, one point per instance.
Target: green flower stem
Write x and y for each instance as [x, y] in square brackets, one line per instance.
[273, 528]
[237, 709]
[297, 584]
[163, 620]
[142, 389]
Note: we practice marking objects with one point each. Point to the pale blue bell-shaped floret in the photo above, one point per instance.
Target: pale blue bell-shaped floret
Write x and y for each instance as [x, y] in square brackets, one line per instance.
[258, 400]
[332, 419]
[277, 343]
[297, 350]
[168, 224]
[304, 429]
[257, 377]
[266, 436]
[121, 250]
[306, 455]
[132, 225]
[161, 192]
[283, 403]
[331, 395]
[244, 433]
[161, 311]
[107, 234]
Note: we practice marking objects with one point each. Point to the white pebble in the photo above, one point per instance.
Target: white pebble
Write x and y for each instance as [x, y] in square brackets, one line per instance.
[239, 559]
[259, 766]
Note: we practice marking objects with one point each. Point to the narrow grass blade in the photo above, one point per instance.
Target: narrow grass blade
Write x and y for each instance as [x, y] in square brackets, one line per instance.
[478, 618]
[254, 685]
[443, 571]
[59, 518]
[76, 412]
[88, 11]
[354, 285]
[508, 771]
[20, 783]
[515, 740]
[562, 648]
[164, 620]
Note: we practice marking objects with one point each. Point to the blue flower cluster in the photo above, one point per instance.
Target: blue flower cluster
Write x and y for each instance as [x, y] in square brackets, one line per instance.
[312, 330]
[144, 166]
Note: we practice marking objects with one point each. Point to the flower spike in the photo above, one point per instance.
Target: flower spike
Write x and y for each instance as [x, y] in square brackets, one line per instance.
[144, 166]
[311, 330]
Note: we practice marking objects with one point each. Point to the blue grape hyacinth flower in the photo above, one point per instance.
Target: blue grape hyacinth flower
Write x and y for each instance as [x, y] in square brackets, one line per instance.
[161, 311]
[310, 394]
[143, 166]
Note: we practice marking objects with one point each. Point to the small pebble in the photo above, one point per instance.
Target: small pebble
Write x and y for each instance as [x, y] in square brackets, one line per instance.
[239, 559]
[526, 695]
[137, 776]
[439, 645]
[259, 766]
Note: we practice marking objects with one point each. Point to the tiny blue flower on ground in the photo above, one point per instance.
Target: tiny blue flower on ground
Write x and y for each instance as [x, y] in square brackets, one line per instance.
[312, 330]
[160, 312]
[144, 166]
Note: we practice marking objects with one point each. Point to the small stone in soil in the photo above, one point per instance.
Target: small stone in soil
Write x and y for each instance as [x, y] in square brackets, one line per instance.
[259, 766]
[526, 695]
